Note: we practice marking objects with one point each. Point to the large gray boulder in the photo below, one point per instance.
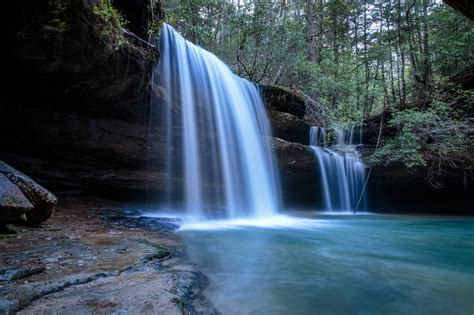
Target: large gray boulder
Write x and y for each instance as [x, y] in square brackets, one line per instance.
[13, 203]
[32, 202]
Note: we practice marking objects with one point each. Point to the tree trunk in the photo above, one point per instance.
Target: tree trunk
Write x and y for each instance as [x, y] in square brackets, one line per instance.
[311, 30]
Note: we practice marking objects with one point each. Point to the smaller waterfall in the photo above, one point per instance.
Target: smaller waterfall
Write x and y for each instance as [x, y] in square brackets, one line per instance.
[342, 173]
[348, 138]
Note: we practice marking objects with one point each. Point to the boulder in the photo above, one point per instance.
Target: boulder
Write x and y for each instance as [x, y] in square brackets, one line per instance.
[40, 198]
[13, 203]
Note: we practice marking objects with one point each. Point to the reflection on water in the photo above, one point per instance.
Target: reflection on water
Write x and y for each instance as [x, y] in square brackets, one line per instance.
[340, 265]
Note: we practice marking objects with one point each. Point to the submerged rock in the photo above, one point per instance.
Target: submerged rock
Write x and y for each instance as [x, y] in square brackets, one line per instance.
[157, 224]
[34, 202]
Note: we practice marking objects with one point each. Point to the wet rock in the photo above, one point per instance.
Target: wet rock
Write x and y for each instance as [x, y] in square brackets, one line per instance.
[289, 127]
[11, 274]
[296, 165]
[13, 203]
[42, 200]
[161, 254]
[141, 292]
[283, 100]
[149, 223]
[8, 306]
[50, 260]
[107, 157]
[293, 156]
[132, 274]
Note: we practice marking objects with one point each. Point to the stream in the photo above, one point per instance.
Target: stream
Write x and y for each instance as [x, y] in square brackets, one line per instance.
[345, 264]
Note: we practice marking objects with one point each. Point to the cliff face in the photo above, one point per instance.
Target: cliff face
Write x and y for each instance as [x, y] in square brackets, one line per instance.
[75, 112]
[73, 56]
[75, 100]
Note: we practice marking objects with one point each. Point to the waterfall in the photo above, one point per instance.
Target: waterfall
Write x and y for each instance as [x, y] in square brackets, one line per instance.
[221, 123]
[341, 172]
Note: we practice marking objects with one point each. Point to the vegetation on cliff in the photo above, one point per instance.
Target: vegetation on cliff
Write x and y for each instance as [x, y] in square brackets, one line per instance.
[357, 59]
[439, 136]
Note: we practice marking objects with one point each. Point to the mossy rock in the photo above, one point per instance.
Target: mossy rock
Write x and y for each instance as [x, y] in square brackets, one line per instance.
[162, 252]
[157, 256]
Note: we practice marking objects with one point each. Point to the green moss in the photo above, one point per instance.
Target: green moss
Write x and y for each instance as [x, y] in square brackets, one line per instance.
[162, 252]
[154, 245]
[105, 10]
[10, 231]
[58, 18]
[159, 255]
[180, 302]
[112, 22]
[154, 27]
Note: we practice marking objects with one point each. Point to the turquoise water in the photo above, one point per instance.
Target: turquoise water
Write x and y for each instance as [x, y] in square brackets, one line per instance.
[364, 264]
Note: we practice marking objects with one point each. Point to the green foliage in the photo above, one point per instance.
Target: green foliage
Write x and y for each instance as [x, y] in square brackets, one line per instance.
[452, 36]
[58, 18]
[112, 22]
[354, 74]
[154, 27]
[105, 10]
[406, 146]
[259, 40]
[437, 136]
[355, 59]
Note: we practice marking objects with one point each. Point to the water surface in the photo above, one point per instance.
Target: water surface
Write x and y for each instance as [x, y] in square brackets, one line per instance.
[364, 264]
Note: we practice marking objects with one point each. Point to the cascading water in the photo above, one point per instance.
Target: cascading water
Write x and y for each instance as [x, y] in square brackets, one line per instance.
[342, 173]
[227, 159]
